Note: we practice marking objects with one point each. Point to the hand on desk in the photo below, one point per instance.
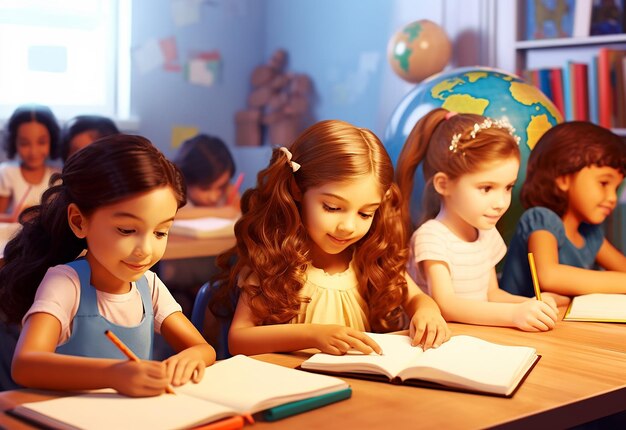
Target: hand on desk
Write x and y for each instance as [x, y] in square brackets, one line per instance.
[338, 340]
[536, 315]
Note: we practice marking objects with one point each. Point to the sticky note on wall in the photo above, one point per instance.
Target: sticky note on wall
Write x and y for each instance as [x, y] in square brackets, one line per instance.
[180, 133]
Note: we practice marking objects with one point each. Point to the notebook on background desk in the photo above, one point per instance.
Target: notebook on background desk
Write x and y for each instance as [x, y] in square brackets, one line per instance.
[236, 386]
[205, 227]
[464, 363]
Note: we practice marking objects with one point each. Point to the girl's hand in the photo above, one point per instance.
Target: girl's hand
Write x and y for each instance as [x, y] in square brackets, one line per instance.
[535, 315]
[185, 366]
[139, 378]
[557, 299]
[338, 340]
[428, 329]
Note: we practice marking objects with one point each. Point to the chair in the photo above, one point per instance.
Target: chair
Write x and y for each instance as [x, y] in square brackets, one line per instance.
[217, 334]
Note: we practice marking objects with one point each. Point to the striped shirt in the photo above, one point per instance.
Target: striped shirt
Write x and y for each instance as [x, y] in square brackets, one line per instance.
[470, 263]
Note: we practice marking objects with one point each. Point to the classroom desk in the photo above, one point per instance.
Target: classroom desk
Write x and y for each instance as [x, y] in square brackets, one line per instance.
[580, 377]
[188, 247]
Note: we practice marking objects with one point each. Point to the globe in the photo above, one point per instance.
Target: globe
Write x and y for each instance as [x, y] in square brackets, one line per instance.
[418, 50]
[484, 91]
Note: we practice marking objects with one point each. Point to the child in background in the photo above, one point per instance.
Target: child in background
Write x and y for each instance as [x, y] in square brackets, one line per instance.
[470, 167]
[116, 198]
[81, 130]
[571, 185]
[321, 252]
[208, 167]
[33, 134]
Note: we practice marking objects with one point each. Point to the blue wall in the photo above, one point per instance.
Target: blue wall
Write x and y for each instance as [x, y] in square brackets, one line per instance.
[341, 45]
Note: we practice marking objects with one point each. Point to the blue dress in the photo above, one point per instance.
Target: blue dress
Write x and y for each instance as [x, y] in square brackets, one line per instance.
[516, 278]
[88, 326]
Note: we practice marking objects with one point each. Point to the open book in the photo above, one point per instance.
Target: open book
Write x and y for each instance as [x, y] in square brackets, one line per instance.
[598, 308]
[204, 227]
[464, 363]
[235, 386]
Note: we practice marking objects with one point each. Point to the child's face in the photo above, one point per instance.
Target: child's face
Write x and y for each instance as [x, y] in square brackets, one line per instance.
[478, 200]
[591, 192]
[33, 144]
[337, 215]
[81, 140]
[127, 238]
[213, 195]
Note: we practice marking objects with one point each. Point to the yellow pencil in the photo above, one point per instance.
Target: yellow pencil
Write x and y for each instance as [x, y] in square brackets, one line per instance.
[128, 353]
[533, 273]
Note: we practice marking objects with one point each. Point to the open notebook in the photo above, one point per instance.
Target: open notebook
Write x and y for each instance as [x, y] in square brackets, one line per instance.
[238, 385]
[597, 308]
[204, 227]
[464, 363]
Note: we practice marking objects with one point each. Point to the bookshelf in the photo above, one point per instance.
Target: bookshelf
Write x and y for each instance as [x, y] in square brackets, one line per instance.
[557, 52]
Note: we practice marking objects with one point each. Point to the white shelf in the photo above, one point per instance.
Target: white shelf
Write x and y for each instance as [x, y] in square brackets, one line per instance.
[570, 41]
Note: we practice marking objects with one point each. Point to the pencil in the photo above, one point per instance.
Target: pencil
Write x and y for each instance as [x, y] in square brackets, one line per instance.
[128, 353]
[533, 273]
[235, 189]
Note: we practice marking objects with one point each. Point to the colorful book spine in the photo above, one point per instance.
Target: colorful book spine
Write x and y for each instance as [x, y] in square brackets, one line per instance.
[568, 94]
[605, 88]
[556, 85]
[593, 90]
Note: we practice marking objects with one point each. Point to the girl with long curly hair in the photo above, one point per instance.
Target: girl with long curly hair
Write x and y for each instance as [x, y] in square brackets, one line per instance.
[321, 252]
[574, 172]
[470, 165]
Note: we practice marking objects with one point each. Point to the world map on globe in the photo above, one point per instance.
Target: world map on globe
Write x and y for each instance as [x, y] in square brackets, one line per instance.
[479, 90]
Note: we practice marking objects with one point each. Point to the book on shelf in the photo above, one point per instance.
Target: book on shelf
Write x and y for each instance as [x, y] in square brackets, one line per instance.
[580, 90]
[237, 386]
[582, 18]
[597, 308]
[464, 363]
[593, 90]
[549, 19]
[205, 227]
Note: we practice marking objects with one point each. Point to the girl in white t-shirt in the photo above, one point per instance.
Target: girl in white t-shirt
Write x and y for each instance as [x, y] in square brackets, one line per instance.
[115, 199]
[33, 134]
[470, 167]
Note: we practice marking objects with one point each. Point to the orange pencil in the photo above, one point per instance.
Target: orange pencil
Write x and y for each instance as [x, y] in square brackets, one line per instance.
[533, 273]
[128, 353]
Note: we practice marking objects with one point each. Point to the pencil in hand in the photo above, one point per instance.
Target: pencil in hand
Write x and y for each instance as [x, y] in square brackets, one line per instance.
[128, 353]
[533, 273]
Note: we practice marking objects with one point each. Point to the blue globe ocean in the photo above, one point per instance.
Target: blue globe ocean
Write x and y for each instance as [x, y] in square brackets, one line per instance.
[484, 91]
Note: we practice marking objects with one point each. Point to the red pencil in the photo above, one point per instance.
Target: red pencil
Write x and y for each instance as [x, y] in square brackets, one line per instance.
[235, 189]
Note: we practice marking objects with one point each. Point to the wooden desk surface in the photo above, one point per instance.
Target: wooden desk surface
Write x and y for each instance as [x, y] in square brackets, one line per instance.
[188, 247]
[580, 377]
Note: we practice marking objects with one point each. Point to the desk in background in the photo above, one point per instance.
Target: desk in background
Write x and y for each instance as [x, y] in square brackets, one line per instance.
[188, 247]
[580, 377]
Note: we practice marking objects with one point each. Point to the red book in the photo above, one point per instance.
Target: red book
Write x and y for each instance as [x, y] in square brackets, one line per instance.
[556, 84]
[605, 88]
[581, 91]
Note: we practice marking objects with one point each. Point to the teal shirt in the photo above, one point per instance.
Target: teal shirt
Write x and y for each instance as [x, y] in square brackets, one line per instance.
[516, 278]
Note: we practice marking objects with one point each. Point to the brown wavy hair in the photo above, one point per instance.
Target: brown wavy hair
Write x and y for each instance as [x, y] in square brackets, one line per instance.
[564, 149]
[273, 243]
[430, 140]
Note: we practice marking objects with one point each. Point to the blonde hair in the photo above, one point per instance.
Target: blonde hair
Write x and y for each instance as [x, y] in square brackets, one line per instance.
[456, 145]
[273, 243]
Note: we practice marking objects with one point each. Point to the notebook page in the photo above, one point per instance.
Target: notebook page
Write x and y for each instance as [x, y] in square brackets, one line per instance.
[109, 410]
[249, 385]
[606, 306]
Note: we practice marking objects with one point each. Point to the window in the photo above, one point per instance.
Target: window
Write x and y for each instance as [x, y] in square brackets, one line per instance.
[71, 55]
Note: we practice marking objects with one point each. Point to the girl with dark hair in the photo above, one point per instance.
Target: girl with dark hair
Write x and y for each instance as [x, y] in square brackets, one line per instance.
[571, 185]
[115, 199]
[208, 168]
[470, 167]
[33, 134]
[82, 130]
[321, 252]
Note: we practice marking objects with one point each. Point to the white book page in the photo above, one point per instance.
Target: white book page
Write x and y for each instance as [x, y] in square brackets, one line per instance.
[604, 306]
[204, 227]
[397, 354]
[249, 385]
[470, 362]
[106, 410]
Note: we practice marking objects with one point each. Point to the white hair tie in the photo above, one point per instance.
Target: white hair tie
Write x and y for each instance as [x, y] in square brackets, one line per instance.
[294, 166]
